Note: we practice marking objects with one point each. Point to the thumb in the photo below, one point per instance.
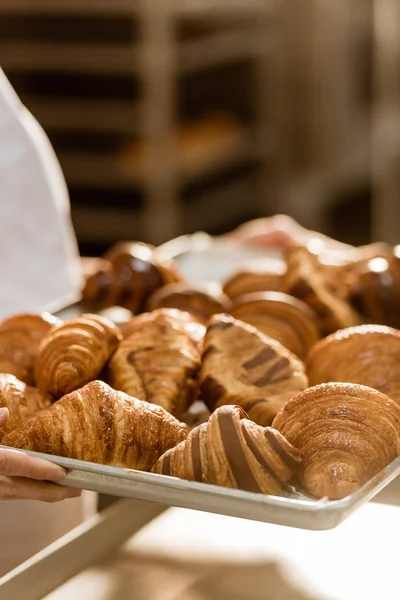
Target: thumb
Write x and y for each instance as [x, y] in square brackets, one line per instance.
[3, 416]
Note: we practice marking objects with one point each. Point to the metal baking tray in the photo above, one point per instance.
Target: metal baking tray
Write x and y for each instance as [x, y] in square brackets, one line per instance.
[203, 259]
[293, 511]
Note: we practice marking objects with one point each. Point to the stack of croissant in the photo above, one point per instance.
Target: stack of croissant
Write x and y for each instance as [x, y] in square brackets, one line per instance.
[297, 389]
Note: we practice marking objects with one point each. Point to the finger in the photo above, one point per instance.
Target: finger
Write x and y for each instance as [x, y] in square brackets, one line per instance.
[15, 463]
[3, 416]
[21, 488]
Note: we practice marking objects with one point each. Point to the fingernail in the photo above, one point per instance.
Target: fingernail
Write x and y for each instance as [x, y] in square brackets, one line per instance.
[73, 493]
[3, 412]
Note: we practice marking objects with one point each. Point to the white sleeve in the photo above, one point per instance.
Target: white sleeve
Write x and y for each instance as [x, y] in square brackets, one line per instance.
[39, 260]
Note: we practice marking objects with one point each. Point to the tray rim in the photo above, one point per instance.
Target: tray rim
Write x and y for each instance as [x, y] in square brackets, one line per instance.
[336, 510]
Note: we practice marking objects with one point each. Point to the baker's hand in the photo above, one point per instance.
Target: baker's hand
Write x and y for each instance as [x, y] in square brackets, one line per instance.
[281, 231]
[23, 477]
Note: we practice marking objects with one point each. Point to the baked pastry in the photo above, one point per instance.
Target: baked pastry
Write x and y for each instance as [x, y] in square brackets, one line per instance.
[140, 272]
[345, 433]
[159, 361]
[374, 289]
[98, 424]
[190, 324]
[367, 354]
[281, 317]
[22, 401]
[242, 366]
[20, 338]
[103, 287]
[197, 301]
[231, 451]
[75, 353]
[251, 279]
[306, 280]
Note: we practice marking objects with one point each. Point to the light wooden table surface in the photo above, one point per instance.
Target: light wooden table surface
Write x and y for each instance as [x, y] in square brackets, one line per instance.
[187, 555]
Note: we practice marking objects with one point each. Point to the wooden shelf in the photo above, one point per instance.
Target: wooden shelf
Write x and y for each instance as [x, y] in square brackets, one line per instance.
[197, 156]
[91, 115]
[124, 59]
[183, 8]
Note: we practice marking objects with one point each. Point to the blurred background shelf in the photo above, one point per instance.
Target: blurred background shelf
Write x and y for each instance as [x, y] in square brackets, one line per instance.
[157, 100]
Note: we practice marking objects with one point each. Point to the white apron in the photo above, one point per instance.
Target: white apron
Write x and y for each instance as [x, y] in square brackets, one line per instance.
[39, 266]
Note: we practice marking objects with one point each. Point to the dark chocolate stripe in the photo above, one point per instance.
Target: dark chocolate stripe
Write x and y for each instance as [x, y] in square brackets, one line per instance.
[260, 358]
[166, 464]
[235, 455]
[196, 455]
[286, 458]
[268, 376]
[260, 458]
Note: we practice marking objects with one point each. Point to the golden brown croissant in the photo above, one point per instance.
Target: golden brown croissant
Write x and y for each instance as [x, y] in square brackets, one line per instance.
[307, 281]
[75, 353]
[159, 360]
[140, 272]
[231, 451]
[281, 317]
[20, 338]
[345, 433]
[98, 424]
[367, 354]
[242, 366]
[103, 287]
[199, 302]
[252, 279]
[374, 289]
[22, 401]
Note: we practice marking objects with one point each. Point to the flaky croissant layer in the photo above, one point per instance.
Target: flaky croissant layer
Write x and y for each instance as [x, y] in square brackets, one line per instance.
[22, 401]
[100, 425]
[346, 433]
[75, 353]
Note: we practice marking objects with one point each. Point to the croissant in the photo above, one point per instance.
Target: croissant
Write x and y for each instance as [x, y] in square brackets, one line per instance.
[140, 272]
[367, 354]
[98, 424]
[345, 433]
[200, 303]
[75, 353]
[242, 366]
[102, 288]
[159, 360]
[186, 321]
[20, 338]
[252, 279]
[231, 451]
[22, 401]
[306, 280]
[374, 289]
[281, 317]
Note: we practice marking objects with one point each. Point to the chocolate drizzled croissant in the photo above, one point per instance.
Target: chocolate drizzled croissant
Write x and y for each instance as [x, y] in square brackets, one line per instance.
[281, 317]
[307, 281]
[231, 451]
[22, 401]
[20, 338]
[367, 354]
[242, 366]
[75, 353]
[98, 424]
[159, 360]
[199, 302]
[346, 434]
